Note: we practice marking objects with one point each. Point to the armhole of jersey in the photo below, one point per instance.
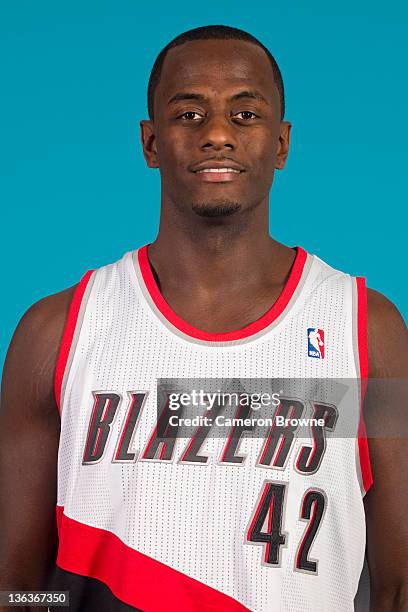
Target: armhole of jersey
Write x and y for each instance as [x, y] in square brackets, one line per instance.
[364, 466]
[71, 330]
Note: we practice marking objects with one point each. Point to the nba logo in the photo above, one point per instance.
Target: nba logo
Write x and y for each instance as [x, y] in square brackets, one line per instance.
[315, 342]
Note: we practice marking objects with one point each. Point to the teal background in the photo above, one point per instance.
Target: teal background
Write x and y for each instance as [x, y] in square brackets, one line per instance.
[74, 189]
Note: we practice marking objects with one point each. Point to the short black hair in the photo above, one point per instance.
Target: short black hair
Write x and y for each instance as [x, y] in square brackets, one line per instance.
[210, 32]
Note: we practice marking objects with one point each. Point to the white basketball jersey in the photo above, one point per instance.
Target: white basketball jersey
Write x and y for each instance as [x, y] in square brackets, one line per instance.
[271, 522]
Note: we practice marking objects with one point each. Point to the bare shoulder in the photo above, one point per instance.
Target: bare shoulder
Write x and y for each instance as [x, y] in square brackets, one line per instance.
[31, 358]
[46, 318]
[387, 337]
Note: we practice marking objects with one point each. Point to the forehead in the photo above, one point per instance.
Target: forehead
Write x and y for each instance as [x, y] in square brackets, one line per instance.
[216, 65]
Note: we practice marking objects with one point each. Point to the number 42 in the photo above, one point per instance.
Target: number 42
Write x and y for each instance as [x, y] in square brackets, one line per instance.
[270, 509]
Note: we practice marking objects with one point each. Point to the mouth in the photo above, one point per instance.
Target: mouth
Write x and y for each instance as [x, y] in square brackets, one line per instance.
[218, 175]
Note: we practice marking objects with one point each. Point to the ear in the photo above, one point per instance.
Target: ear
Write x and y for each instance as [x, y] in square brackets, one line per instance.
[283, 146]
[148, 139]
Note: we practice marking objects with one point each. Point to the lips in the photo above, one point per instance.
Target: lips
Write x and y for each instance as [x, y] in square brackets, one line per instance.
[217, 177]
[221, 165]
[217, 171]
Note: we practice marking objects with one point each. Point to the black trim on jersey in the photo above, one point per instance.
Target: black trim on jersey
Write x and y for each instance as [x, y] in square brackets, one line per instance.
[86, 594]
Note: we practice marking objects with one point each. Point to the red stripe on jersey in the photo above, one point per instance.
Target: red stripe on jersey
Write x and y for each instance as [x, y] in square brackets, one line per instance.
[133, 577]
[68, 335]
[250, 329]
[362, 321]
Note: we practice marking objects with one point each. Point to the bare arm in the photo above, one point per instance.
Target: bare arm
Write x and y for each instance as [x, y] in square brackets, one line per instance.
[386, 503]
[29, 436]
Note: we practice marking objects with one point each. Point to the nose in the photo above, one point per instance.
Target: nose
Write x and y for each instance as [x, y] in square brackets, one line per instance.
[218, 133]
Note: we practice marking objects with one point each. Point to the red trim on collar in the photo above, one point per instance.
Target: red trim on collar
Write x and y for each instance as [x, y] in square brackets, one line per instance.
[252, 328]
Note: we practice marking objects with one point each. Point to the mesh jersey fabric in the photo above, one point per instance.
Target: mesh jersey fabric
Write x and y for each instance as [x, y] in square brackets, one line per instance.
[170, 534]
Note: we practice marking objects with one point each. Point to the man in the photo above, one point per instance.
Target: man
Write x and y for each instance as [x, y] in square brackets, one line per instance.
[173, 524]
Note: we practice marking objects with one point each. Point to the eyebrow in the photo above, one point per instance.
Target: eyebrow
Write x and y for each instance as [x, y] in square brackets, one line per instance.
[185, 95]
[253, 94]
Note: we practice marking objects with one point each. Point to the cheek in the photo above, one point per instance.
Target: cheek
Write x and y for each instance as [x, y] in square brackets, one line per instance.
[173, 154]
[260, 145]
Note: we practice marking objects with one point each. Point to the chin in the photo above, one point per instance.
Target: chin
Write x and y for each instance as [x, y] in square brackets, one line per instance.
[216, 209]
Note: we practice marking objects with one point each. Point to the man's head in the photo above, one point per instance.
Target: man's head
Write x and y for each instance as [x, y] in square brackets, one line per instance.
[216, 129]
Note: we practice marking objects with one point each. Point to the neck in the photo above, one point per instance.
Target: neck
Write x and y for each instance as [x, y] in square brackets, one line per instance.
[234, 252]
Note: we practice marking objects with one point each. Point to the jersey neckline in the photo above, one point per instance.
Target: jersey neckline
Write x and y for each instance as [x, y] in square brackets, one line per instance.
[150, 288]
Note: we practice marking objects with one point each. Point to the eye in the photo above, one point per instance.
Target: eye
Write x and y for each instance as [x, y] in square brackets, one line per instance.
[246, 115]
[189, 116]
